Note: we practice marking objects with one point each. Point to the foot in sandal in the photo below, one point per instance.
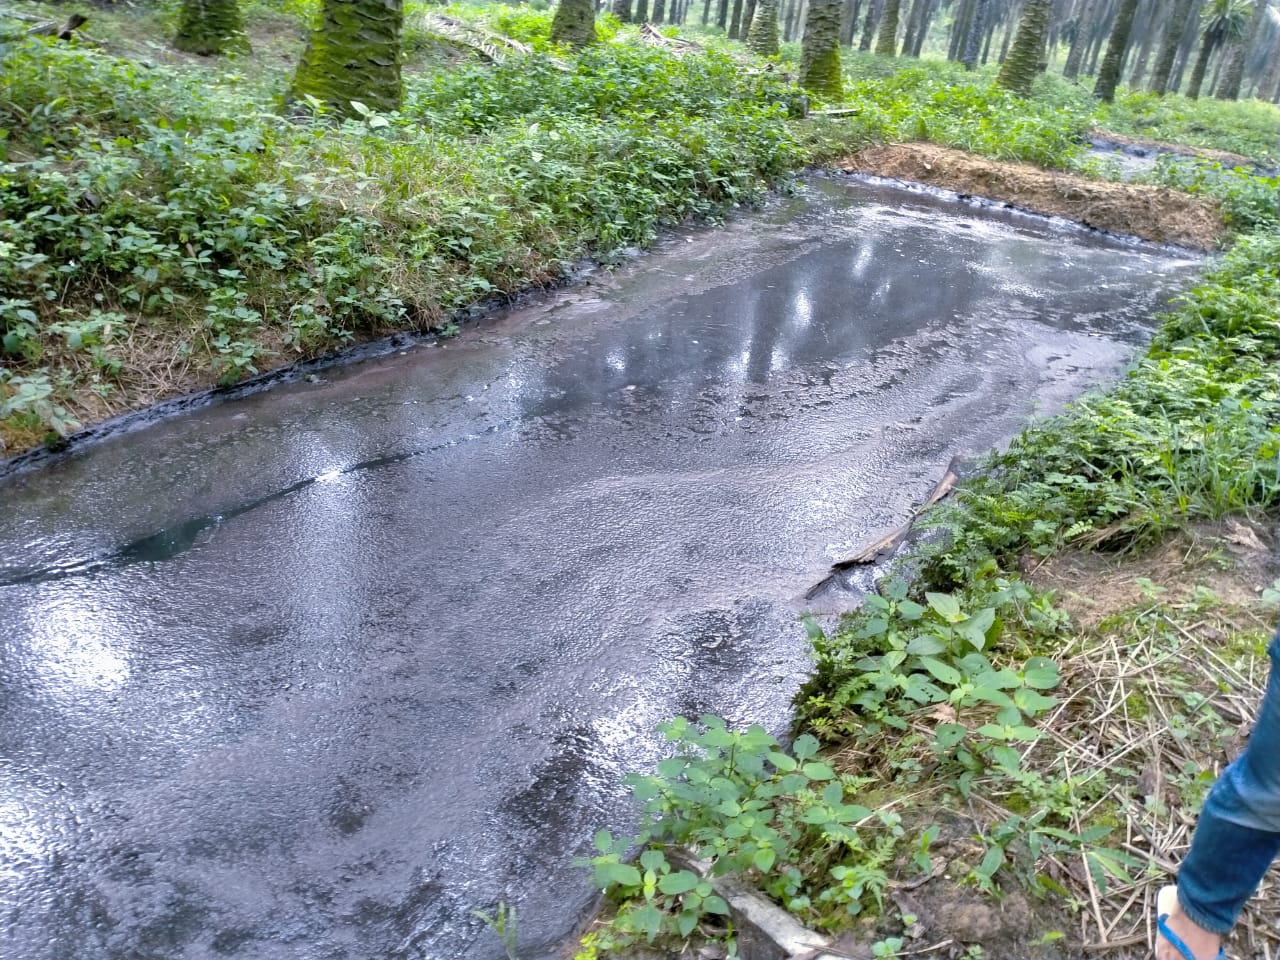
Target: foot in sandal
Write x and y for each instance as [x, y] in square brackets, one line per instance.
[1177, 938]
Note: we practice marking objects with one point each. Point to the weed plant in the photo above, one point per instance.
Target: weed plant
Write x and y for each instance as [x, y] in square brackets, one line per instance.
[895, 100]
[149, 210]
[965, 688]
[1250, 128]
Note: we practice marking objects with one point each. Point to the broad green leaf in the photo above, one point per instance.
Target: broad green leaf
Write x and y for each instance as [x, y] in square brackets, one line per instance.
[1031, 702]
[1006, 758]
[781, 761]
[604, 841]
[682, 881]
[833, 793]
[946, 606]
[947, 735]
[806, 746]
[714, 904]
[686, 922]
[924, 645]
[1040, 673]
[921, 689]
[672, 767]
[816, 770]
[910, 611]
[976, 629]
[621, 874]
[850, 813]
[648, 919]
[990, 695]
[764, 859]
[653, 860]
[941, 671]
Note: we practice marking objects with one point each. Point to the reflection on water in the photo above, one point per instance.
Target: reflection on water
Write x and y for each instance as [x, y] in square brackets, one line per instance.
[317, 673]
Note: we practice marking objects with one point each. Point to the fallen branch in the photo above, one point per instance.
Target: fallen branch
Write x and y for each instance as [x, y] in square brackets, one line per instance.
[678, 45]
[890, 541]
[50, 28]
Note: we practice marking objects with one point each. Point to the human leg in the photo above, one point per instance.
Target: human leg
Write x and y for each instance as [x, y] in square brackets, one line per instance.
[1238, 833]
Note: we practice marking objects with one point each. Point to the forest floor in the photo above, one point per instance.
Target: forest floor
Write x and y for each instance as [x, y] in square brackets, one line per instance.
[1158, 214]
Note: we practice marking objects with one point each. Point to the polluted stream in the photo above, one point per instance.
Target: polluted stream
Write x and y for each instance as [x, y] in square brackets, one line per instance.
[319, 672]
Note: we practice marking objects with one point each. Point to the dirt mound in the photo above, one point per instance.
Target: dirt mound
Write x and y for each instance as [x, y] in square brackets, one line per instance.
[1153, 213]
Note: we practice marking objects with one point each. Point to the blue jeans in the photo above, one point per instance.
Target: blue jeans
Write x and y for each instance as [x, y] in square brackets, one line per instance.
[1238, 833]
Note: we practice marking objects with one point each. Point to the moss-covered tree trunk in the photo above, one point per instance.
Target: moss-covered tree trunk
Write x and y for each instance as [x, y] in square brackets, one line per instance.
[622, 10]
[575, 23]
[354, 55]
[762, 37]
[820, 50]
[1233, 78]
[1019, 70]
[887, 45]
[1174, 28]
[208, 27]
[1121, 30]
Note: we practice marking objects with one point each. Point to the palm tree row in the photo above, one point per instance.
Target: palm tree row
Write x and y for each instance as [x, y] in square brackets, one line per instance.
[1229, 48]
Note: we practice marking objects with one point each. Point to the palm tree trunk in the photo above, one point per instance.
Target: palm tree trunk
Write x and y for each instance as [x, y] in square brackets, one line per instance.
[1202, 64]
[887, 45]
[820, 50]
[959, 29]
[208, 27]
[848, 21]
[354, 55]
[1008, 36]
[622, 10]
[659, 10]
[735, 20]
[977, 27]
[1019, 70]
[1144, 34]
[913, 24]
[1080, 41]
[926, 19]
[762, 37]
[575, 23]
[1230, 88]
[869, 24]
[1169, 43]
[1109, 75]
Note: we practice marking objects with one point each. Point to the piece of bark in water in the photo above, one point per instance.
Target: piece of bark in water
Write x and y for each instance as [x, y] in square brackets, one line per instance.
[891, 540]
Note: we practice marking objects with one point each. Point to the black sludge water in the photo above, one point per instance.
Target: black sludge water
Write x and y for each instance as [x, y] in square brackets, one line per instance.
[316, 673]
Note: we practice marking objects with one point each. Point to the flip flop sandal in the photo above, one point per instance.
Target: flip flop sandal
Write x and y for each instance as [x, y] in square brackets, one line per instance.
[1166, 900]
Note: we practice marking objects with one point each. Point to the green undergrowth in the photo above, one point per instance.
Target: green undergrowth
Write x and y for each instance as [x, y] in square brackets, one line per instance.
[161, 218]
[893, 100]
[961, 686]
[1250, 128]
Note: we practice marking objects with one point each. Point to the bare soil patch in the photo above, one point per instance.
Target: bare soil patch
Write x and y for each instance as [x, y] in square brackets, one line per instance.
[1152, 213]
[1234, 559]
